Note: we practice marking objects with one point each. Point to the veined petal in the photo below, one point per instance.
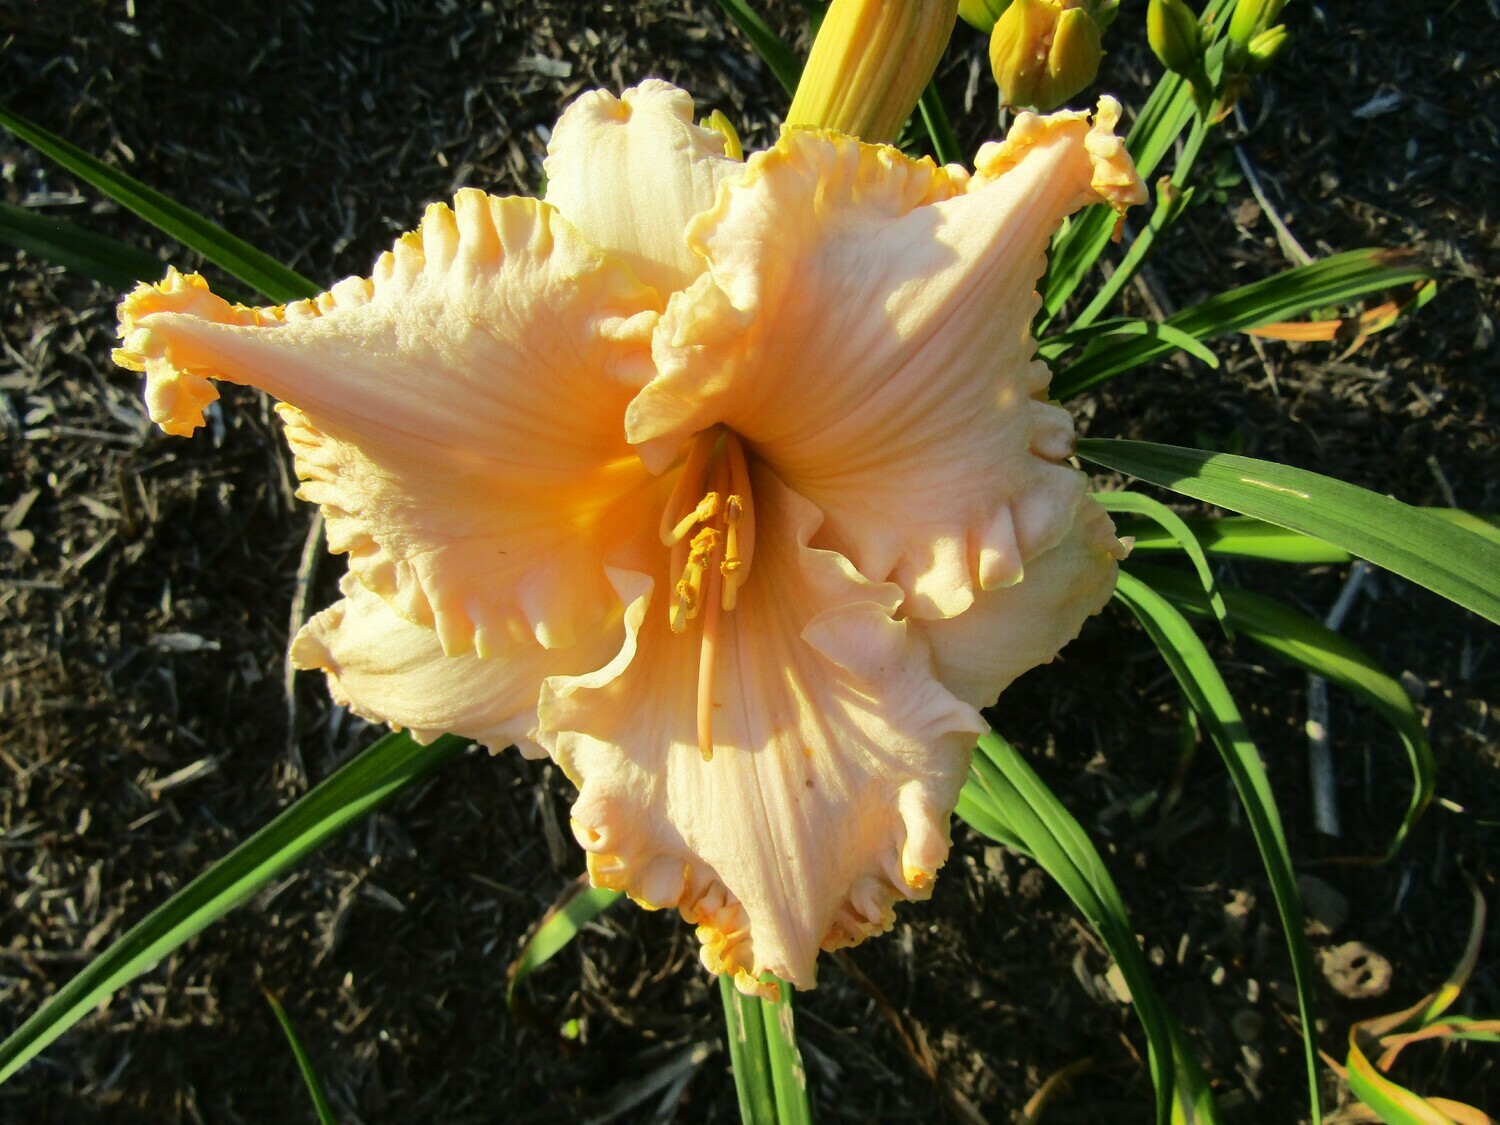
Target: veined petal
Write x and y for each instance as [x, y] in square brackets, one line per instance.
[1012, 629]
[457, 415]
[864, 326]
[629, 172]
[387, 670]
[837, 758]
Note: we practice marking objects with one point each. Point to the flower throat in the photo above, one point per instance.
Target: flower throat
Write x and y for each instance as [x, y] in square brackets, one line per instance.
[709, 523]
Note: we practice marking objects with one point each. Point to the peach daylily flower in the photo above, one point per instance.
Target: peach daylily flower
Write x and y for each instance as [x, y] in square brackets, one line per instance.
[732, 487]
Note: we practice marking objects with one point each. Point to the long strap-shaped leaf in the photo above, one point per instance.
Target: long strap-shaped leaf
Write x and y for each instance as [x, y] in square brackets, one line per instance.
[769, 1078]
[359, 788]
[768, 45]
[1461, 565]
[1333, 281]
[237, 257]
[66, 244]
[1210, 698]
[1005, 800]
[1320, 651]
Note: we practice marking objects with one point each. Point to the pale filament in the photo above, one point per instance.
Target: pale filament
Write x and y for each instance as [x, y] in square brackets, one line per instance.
[712, 494]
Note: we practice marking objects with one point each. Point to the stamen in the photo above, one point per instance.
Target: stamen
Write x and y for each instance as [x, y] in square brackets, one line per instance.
[739, 523]
[690, 586]
[691, 483]
[706, 510]
[732, 564]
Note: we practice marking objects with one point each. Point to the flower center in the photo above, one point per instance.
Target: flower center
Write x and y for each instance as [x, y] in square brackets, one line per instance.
[709, 522]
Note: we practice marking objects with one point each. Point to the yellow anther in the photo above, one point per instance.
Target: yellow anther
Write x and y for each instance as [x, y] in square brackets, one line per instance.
[690, 585]
[706, 510]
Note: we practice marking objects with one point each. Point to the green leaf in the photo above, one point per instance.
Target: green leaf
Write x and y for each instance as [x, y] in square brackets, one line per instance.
[1322, 652]
[304, 1064]
[785, 65]
[1461, 564]
[1005, 800]
[1237, 537]
[393, 764]
[1333, 281]
[1201, 683]
[63, 243]
[935, 119]
[769, 1078]
[579, 905]
[259, 271]
[1175, 526]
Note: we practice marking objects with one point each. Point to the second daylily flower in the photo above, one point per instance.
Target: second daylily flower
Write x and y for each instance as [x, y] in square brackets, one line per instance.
[732, 487]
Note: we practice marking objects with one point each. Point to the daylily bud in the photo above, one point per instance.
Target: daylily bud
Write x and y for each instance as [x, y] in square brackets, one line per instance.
[982, 14]
[869, 64]
[1172, 30]
[1264, 48]
[1044, 51]
[1251, 17]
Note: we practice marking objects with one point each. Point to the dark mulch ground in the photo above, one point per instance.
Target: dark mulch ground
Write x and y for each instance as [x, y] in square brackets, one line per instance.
[146, 587]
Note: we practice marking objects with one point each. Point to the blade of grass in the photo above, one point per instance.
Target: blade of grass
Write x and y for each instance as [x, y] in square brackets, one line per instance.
[579, 905]
[1175, 526]
[66, 244]
[784, 64]
[1461, 564]
[1195, 671]
[235, 256]
[1317, 649]
[309, 1076]
[1332, 281]
[392, 765]
[1005, 800]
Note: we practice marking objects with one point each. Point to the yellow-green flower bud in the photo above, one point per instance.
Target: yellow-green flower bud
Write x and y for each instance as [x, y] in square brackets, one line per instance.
[1044, 51]
[982, 14]
[870, 63]
[1172, 31]
[1264, 48]
[1251, 17]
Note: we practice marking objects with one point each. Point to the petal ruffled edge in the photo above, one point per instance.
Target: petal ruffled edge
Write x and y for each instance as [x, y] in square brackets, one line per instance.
[837, 760]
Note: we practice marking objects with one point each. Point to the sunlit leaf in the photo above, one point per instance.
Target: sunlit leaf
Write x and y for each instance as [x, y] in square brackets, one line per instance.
[1322, 652]
[1005, 800]
[1448, 558]
[578, 905]
[1175, 526]
[392, 765]
[1200, 681]
[238, 258]
[770, 1080]
[1339, 279]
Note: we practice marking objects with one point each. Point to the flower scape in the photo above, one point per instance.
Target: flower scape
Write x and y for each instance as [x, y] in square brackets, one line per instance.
[730, 486]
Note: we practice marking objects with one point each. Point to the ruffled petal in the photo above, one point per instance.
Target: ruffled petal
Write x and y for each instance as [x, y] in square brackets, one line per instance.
[387, 670]
[457, 415]
[837, 758]
[1012, 629]
[629, 172]
[864, 326]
